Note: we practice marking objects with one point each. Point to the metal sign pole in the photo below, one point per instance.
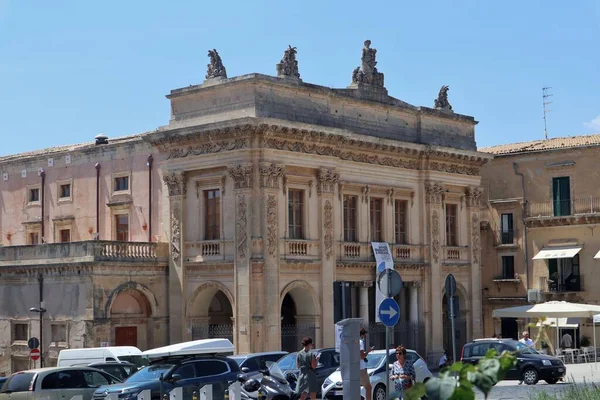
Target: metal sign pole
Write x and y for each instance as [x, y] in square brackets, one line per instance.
[387, 362]
[452, 317]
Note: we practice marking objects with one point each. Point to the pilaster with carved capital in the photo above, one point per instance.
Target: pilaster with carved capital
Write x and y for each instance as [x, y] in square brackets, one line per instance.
[327, 180]
[270, 175]
[474, 195]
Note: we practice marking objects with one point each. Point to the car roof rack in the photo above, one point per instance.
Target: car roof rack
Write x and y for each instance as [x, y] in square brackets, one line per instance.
[193, 348]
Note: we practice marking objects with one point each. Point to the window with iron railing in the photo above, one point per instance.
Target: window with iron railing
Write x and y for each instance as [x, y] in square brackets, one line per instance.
[296, 214]
[561, 196]
[508, 267]
[506, 229]
[400, 223]
[212, 215]
[350, 232]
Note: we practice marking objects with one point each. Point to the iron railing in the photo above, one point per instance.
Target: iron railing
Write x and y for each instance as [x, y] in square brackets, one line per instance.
[562, 208]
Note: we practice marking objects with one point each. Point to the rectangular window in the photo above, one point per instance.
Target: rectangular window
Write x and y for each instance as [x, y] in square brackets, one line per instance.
[65, 235]
[400, 225]
[508, 267]
[59, 333]
[65, 191]
[21, 332]
[561, 196]
[34, 238]
[350, 233]
[506, 228]
[296, 214]
[212, 217]
[451, 237]
[376, 213]
[121, 183]
[122, 227]
[34, 195]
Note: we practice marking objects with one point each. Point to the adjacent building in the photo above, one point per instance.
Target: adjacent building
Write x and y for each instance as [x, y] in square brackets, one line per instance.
[249, 216]
[542, 206]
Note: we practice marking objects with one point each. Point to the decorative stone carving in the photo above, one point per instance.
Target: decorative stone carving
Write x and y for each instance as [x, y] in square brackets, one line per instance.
[434, 192]
[435, 236]
[269, 175]
[176, 183]
[454, 168]
[475, 242]
[328, 179]
[367, 72]
[242, 176]
[288, 67]
[391, 196]
[474, 195]
[310, 185]
[175, 235]
[365, 193]
[208, 148]
[240, 226]
[328, 226]
[271, 225]
[223, 183]
[215, 68]
[441, 103]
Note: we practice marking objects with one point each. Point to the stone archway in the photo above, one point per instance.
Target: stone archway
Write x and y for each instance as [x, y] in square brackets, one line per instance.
[300, 314]
[460, 323]
[129, 310]
[210, 312]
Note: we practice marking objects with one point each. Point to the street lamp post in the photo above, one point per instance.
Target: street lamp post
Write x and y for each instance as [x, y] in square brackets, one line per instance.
[41, 310]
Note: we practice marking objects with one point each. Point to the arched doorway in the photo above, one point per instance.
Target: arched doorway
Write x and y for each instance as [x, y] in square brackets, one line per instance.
[460, 322]
[129, 314]
[298, 315]
[210, 312]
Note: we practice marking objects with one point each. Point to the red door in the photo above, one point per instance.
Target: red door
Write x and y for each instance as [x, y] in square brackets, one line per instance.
[126, 336]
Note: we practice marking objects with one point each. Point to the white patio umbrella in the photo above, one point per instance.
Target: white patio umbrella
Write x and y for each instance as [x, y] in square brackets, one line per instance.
[550, 309]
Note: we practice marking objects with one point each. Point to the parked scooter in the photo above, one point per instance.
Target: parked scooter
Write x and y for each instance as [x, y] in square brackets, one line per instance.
[271, 385]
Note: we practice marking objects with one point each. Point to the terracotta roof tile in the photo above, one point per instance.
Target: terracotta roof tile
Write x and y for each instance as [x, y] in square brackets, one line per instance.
[541, 145]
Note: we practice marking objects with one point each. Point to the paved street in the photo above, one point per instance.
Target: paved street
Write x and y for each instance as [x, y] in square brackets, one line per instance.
[578, 373]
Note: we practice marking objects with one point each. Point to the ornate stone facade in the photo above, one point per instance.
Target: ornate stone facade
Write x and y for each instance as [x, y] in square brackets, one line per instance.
[328, 180]
[328, 225]
[270, 175]
[434, 192]
[476, 244]
[241, 227]
[272, 234]
[243, 176]
[176, 183]
[435, 236]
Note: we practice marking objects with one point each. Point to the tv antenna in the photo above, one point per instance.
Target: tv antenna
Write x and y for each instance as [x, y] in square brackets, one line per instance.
[545, 96]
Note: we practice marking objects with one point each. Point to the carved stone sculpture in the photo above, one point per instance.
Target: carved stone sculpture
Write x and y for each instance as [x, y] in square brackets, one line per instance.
[175, 235]
[270, 173]
[474, 195]
[176, 183]
[288, 67]
[242, 176]
[441, 103]
[475, 241]
[434, 192]
[240, 227]
[367, 72]
[215, 68]
[435, 236]
[272, 225]
[328, 226]
[328, 179]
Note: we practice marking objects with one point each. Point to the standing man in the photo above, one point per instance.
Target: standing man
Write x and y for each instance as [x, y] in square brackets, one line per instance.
[364, 376]
[566, 341]
[527, 342]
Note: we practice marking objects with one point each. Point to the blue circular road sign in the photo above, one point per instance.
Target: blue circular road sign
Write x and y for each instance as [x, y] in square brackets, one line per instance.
[389, 312]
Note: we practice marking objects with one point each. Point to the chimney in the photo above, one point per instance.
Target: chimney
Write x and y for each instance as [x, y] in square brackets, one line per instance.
[101, 139]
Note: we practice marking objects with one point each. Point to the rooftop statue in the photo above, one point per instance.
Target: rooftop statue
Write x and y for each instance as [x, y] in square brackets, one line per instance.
[215, 68]
[441, 103]
[288, 66]
[367, 72]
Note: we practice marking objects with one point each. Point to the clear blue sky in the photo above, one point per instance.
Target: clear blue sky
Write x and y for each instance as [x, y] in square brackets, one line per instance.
[72, 69]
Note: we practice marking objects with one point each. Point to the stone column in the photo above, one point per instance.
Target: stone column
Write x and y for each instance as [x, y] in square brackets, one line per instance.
[242, 176]
[473, 205]
[270, 177]
[326, 184]
[413, 312]
[177, 189]
[364, 301]
[434, 197]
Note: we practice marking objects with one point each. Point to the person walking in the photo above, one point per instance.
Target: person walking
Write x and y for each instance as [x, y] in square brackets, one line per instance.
[306, 363]
[365, 381]
[402, 373]
[527, 342]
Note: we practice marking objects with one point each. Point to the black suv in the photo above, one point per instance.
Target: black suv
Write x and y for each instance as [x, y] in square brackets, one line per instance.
[252, 364]
[329, 362]
[188, 372]
[531, 365]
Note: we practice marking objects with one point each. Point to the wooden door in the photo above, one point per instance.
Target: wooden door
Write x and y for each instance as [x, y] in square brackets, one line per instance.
[126, 336]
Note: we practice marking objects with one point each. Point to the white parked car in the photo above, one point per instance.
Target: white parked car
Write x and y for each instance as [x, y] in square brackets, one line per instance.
[333, 386]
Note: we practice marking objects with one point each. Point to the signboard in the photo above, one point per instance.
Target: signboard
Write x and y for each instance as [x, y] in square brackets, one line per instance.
[33, 343]
[383, 260]
[338, 338]
[389, 312]
[389, 283]
[450, 285]
[34, 354]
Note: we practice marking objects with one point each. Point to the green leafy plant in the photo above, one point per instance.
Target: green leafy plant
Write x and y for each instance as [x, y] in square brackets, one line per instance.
[584, 342]
[458, 381]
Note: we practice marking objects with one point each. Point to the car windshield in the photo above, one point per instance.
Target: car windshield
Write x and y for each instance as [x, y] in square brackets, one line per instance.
[150, 373]
[288, 362]
[524, 349]
[139, 361]
[274, 370]
[373, 360]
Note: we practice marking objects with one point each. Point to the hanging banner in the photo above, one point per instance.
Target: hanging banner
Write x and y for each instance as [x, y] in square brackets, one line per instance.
[383, 260]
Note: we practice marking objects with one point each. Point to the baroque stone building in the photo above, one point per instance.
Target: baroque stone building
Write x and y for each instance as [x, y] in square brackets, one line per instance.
[541, 211]
[250, 216]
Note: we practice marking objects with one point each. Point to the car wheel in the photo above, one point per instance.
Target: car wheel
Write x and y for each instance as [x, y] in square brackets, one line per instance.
[552, 381]
[530, 376]
[379, 393]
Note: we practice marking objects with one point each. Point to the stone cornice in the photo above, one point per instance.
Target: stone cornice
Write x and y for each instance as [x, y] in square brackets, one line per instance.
[371, 265]
[77, 268]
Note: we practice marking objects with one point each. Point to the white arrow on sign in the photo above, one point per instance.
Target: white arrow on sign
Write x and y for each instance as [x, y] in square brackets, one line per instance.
[391, 312]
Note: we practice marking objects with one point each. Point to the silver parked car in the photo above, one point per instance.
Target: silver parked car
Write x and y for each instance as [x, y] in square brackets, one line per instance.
[62, 383]
[333, 386]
